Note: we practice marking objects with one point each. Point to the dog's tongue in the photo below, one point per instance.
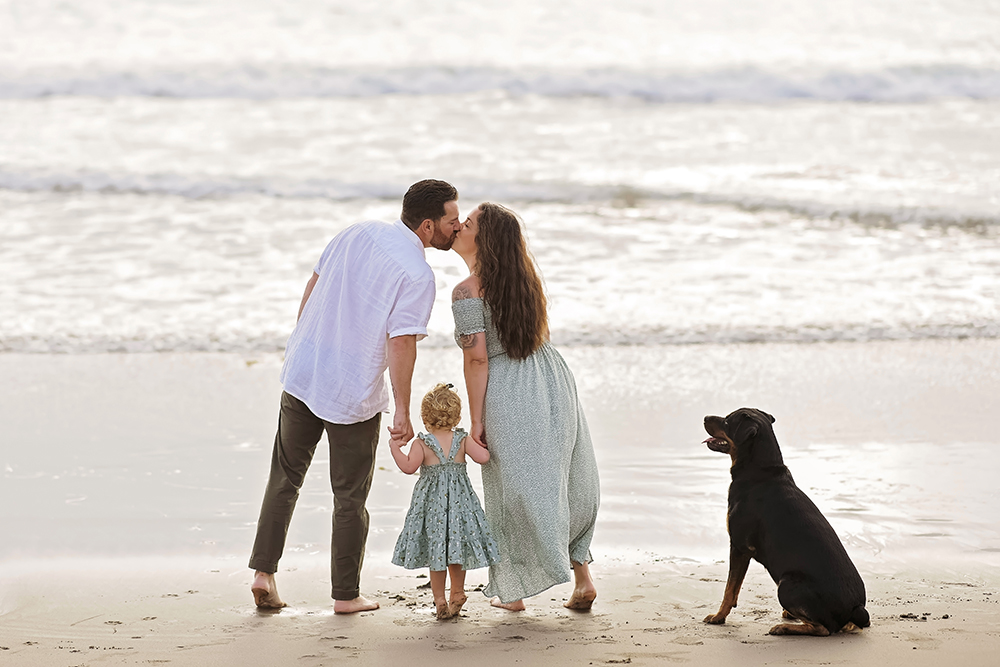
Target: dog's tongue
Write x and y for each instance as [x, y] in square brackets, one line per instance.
[717, 445]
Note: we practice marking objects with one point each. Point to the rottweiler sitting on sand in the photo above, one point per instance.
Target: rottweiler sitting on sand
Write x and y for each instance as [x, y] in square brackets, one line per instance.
[772, 520]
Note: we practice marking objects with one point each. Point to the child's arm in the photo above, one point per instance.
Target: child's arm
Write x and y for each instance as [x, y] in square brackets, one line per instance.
[408, 463]
[476, 452]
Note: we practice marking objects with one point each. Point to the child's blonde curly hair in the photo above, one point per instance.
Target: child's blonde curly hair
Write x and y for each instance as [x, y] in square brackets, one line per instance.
[441, 407]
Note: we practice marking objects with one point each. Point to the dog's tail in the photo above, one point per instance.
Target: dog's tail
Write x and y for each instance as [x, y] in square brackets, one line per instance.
[859, 617]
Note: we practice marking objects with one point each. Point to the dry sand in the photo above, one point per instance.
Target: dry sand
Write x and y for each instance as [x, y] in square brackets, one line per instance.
[129, 485]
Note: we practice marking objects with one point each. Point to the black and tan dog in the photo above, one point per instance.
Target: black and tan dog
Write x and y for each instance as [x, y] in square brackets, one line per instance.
[773, 521]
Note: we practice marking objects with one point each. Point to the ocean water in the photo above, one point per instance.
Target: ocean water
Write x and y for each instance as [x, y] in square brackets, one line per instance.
[170, 171]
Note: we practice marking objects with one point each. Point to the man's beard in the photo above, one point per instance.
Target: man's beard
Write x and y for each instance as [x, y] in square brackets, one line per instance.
[442, 241]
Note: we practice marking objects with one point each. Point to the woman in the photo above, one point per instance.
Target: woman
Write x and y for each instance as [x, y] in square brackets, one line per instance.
[540, 485]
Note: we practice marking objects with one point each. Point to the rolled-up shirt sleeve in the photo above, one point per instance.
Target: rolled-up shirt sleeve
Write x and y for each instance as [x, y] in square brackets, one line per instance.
[412, 309]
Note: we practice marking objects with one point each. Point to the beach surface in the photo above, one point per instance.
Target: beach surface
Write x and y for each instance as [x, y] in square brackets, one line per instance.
[647, 614]
[131, 483]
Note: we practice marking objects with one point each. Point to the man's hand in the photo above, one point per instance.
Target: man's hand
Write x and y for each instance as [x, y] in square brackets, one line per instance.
[401, 431]
[402, 355]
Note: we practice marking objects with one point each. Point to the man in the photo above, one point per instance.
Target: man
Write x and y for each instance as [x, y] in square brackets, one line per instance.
[365, 307]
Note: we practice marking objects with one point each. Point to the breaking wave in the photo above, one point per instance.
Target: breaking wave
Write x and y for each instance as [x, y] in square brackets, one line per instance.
[198, 187]
[162, 343]
[898, 84]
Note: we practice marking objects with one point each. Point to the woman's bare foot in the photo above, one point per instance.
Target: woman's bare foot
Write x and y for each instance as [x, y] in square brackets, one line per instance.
[582, 598]
[265, 591]
[516, 605]
[443, 611]
[359, 603]
[456, 603]
[584, 591]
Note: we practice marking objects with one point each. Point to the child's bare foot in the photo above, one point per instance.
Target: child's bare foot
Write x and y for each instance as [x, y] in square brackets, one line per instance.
[582, 598]
[456, 603]
[516, 605]
[359, 603]
[443, 612]
[265, 591]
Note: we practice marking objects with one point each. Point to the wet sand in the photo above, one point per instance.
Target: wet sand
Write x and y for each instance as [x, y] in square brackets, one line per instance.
[647, 614]
[131, 483]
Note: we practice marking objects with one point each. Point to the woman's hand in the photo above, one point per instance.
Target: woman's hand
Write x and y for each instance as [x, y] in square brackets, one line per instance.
[478, 434]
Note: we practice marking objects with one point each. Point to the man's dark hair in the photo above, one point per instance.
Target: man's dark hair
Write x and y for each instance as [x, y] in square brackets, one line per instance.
[426, 199]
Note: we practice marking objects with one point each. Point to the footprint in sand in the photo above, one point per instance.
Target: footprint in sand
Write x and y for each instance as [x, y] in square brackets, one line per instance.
[688, 641]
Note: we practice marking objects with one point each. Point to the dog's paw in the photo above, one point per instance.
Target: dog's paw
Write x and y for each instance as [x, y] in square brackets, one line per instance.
[804, 628]
[715, 619]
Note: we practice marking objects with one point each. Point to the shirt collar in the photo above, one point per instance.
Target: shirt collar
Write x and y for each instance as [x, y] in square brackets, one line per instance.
[411, 235]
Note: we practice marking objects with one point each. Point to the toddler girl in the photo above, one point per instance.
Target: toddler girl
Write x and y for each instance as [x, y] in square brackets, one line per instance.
[446, 528]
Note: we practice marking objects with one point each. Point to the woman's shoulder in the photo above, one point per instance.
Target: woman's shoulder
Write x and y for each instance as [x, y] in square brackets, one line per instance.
[467, 289]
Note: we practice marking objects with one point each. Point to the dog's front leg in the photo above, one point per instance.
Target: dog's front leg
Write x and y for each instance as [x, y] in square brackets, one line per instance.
[738, 564]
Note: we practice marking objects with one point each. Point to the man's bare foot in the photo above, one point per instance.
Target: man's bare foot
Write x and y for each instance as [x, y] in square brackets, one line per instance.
[516, 605]
[265, 592]
[443, 611]
[456, 604]
[359, 603]
[582, 598]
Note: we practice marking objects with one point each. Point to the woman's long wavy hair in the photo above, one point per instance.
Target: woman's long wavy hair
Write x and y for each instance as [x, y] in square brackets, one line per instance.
[510, 283]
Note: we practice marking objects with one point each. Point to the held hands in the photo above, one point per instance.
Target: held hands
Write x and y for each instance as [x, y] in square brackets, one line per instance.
[478, 434]
[409, 462]
[401, 431]
[475, 444]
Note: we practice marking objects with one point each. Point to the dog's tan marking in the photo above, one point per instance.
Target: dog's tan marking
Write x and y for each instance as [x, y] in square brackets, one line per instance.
[738, 564]
[803, 628]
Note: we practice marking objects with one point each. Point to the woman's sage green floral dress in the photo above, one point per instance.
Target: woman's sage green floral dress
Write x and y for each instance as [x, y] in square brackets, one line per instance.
[541, 488]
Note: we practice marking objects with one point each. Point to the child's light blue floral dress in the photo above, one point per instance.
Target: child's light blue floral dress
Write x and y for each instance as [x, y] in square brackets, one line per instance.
[446, 524]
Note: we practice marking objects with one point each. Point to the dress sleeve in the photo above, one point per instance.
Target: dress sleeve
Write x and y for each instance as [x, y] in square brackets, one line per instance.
[469, 317]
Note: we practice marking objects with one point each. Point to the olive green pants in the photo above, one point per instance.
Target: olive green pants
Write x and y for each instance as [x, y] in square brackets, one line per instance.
[352, 464]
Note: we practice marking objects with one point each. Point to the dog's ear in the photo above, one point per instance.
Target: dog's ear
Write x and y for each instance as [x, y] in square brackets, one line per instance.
[746, 430]
[757, 412]
[766, 452]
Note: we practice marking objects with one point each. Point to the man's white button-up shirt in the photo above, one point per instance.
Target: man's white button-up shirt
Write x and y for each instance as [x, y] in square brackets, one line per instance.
[374, 284]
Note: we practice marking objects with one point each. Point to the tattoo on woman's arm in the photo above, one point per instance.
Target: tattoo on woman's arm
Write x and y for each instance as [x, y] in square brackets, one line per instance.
[467, 342]
[461, 292]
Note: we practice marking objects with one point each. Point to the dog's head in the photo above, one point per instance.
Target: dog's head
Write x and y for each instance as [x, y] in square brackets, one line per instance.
[746, 435]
